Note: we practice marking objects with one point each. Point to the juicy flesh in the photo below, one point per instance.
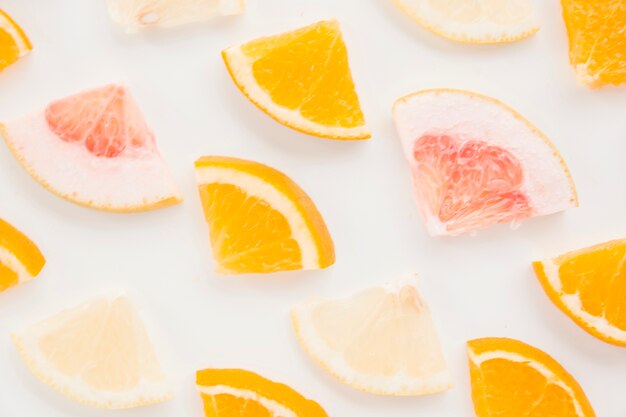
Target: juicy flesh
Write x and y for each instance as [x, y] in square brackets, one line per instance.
[597, 40]
[380, 333]
[470, 184]
[307, 70]
[247, 234]
[225, 405]
[471, 11]
[106, 121]
[10, 50]
[598, 277]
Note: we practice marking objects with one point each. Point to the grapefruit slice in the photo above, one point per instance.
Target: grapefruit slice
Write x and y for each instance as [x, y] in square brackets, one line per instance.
[97, 353]
[20, 259]
[94, 149]
[14, 43]
[380, 340]
[476, 162]
[136, 15]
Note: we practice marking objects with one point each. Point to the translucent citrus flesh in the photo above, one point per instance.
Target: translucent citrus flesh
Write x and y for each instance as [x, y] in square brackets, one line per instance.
[515, 379]
[256, 389]
[248, 234]
[469, 184]
[104, 120]
[22, 248]
[596, 277]
[597, 40]
[470, 11]
[11, 49]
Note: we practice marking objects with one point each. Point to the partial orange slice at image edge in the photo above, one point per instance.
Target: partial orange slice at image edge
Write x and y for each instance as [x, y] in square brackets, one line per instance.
[20, 259]
[14, 44]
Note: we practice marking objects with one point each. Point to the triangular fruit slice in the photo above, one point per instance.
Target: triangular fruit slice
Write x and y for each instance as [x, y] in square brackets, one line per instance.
[597, 40]
[476, 162]
[474, 21]
[20, 259]
[511, 378]
[260, 220]
[589, 285]
[241, 393]
[302, 80]
[94, 149]
[380, 340]
[136, 15]
[98, 354]
[13, 41]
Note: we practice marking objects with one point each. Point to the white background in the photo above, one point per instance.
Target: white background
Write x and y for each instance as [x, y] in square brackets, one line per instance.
[476, 285]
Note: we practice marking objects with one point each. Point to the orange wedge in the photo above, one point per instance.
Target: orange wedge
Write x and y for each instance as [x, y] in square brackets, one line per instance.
[302, 80]
[511, 378]
[597, 40]
[20, 259]
[13, 41]
[260, 220]
[589, 286]
[240, 393]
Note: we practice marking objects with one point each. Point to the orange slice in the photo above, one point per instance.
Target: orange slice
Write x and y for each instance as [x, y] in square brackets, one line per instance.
[380, 340]
[136, 15]
[13, 41]
[511, 378]
[302, 80]
[260, 220]
[474, 21]
[240, 393]
[476, 162]
[589, 286]
[97, 353]
[20, 259]
[597, 40]
[94, 149]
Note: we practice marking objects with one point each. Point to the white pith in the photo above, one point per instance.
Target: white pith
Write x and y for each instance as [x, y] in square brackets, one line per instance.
[241, 68]
[255, 186]
[70, 170]
[484, 30]
[10, 28]
[573, 304]
[335, 363]
[8, 259]
[147, 391]
[551, 377]
[276, 408]
[546, 182]
[136, 15]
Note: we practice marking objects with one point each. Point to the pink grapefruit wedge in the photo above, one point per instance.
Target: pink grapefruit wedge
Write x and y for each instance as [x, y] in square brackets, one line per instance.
[95, 149]
[476, 162]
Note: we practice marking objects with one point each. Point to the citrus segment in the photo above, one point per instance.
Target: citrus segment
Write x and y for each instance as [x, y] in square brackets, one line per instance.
[13, 41]
[20, 259]
[136, 15]
[259, 220]
[302, 79]
[476, 162]
[474, 21]
[240, 393]
[98, 354]
[589, 286]
[597, 40]
[380, 340]
[94, 149]
[511, 378]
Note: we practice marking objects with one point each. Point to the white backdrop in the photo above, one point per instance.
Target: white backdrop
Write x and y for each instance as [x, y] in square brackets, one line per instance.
[476, 285]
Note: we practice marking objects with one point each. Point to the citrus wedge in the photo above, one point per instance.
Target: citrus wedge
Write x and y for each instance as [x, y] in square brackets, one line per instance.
[13, 41]
[94, 149]
[589, 286]
[597, 40]
[260, 220]
[476, 162]
[20, 259]
[302, 80]
[98, 354]
[511, 378]
[474, 21]
[136, 15]
[380, 340]
[240, 393]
